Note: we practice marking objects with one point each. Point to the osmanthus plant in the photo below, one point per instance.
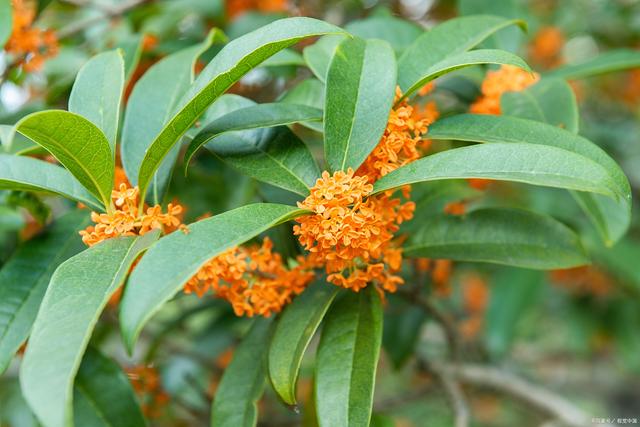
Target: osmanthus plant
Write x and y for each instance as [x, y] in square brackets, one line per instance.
[366, 102]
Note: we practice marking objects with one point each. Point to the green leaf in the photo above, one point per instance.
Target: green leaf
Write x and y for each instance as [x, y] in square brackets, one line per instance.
[360, 89]
[612, 217]
[296, 327]
[399, 33]
[103, 396]
[254, 117]
[131, 52]
[318, 56]
[234, 61]
[149, 109]
[97, 93]
[285, 58]
[242, 385]
[508, 38]
[502, 236]
[309, 92]
[466, 59]
[6, 21]
[25, 277]
[449, 38]
[28, 174]
[519, 162]
[608, 62]
[347, 360]
[79, 290]
[402, 325]
[78, 144]
[170, 263]
[549, 101]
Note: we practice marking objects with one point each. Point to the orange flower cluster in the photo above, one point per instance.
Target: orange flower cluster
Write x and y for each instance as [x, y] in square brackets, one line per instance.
[33, 46]
[402, 138]
[125, 221]
[475, 295]
[507, 79]
[546, 47]
[147, 385]
[440, 270]
[238, 7]
[253, 279]
[350, 232]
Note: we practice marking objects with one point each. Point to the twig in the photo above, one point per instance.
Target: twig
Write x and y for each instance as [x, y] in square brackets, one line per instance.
[108, 13]
[533, 395]
[456, 397]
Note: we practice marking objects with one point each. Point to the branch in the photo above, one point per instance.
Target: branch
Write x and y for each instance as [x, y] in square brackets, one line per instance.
[456, 397]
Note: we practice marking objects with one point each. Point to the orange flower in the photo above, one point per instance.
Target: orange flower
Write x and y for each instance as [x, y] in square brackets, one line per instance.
[507, 79]
[546, 47]
[32, 46]
[253, 279]
[441, 276]
[148, 386]
[455, 208]
[475, 295]
[479, 183]
[238, 7]
[587, 280]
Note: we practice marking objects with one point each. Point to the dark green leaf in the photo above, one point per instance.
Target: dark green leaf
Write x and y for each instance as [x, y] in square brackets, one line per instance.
[24, 279]
[294, 331]
[103, 396]
[241, 386]
[608, 62]
[25, 173]
[79, 290]
[502, 236]
[78, 144]
[402, 326]
[347, 360]
[361, 85]
[97, 93]
[170, 263]
[234, 61]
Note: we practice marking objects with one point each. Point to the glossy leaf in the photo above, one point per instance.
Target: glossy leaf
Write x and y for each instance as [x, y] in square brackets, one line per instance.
[608, 62]
[25, 277]
[254, 117]
[549, 101]
[6, 21]
[449, 38]
[347, 360]
[79, 290]
[466, 59]
[612, 217]
[78, 144]
[361, 85]
[318, 56]
[149, 109]
[518, 162]
[103, 396]
[234, 61]
[293, 333]
[28, 174]
[170, 263]
[97, 93]
[502, 236]
[241, 386]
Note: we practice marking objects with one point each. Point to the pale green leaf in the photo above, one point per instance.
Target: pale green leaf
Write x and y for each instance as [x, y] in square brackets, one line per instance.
[608, 62]
[294, 331]
[79, 290]
[170, 263]
[6, 21]
[361, 85]
[502, 236]
[399, 33]
[131, 52]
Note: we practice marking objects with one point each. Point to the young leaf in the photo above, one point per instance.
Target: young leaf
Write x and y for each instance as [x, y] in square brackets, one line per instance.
[149, 109]
[519, 162]
[294, 331]
[608, 62]
[360, 89]
[241, 386]
[318, 56]
[277, 157]
[449, 38]
[234, 61]
[347, 360]
[78, 144]
[103, 395]
[6, 21]
[79, 290]
[28, 174]
[25, 276]
[549, 101]
[97, 93]
[612, 217]
[502, 236]
[254, 117]
[170, 263]
[466, 59]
